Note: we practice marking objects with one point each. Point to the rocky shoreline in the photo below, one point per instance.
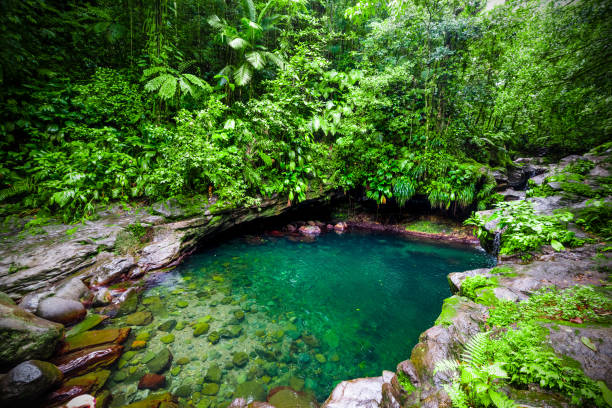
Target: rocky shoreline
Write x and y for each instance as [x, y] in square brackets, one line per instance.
[56, 276]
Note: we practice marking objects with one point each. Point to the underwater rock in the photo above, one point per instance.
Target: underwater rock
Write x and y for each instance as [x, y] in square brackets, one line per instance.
[311, 340]
[214, 337]
[296, 383]
[210, 389]
[24, 335]
[214, 374]
[267, 354]
[184, 390]
[182, 304]
[151, 382]
[251, 391]
[240, 359]
[139, 318]
[200, 328]
[183, 361]
[320, 358]
[165, 400]
[128, 302]
[310, 230]
[239, 315]
[86, 360]
[231, 331]
[94, 338]
[285, 397]
[27, 381]
[161, 361]
[61, 310]
[168, 338]
[167, 326]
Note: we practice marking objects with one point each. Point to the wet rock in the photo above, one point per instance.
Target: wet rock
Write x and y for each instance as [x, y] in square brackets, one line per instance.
[28, 380]
[251, 391]
[73, 289]
[90, 321]
[90, 383]
[102, 297]
[183, 361]
[210, 389]
[231, 331]
[167, 326]
[184, 390]
[165, 400]
[94, 338]
[112, 271]
[200, 329]
[128, 302]
[25, 336]
[61, 310]
[151, 382]
[285, 397]
[296, 383]
[214, 374]
[168, 338]
[340, 227]
[359, 393]
[160, 362]
[310, 230]
[84, 361]
[239, 315]
[214, 337]
[88, 401]
[240, 359]
[139, 318]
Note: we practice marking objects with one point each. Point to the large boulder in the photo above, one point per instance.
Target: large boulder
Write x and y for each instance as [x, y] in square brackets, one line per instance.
[111, 271]
[25, 336]
[28, 381]
[61, 310]
[359, 393]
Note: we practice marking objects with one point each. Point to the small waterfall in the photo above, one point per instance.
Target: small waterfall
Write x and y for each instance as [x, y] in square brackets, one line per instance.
[496, 242]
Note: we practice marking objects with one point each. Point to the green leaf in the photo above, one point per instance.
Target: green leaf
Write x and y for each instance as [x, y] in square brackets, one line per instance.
[238, 43]
[256, 59]
[243, 75]
[557, 246]
[587, 342]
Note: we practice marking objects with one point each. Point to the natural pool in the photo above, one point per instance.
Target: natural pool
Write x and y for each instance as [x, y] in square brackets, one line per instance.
[252, 314]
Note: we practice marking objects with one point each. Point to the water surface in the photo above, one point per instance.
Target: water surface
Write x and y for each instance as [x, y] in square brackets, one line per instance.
[342, 307]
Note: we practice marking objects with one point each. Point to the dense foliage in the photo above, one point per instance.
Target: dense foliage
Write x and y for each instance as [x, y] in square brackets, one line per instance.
[109, 101]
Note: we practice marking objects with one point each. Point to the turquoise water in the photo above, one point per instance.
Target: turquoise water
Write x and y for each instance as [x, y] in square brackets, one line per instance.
[316, 313]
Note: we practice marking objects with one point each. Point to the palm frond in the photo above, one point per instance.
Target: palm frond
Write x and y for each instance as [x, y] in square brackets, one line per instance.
[256, 59]
[243, 75]
[248, 7]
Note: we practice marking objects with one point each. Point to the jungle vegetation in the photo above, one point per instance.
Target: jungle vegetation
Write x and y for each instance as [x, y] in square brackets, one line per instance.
[136, 101]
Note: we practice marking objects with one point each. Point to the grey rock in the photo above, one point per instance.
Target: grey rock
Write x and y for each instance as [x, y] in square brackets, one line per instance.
[73, 289]
[27, 381]
[359, 393]
[112, 271]
[61, 310]
[161, 361]
[25, 336]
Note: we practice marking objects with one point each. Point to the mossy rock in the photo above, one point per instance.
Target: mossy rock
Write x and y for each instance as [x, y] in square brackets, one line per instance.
[214, 374]
[239, 315]
[139, 318]
[200, 328]
[214, 337]
[240, 359]
[210, 389]
[182, 304]
[168, 338]
[449, 310]
[183, 361]
[167, 326]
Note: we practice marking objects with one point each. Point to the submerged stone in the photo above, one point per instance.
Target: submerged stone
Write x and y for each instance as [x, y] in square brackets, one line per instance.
[151, 382]
[168, 338]
[90, 321]
[239, 315]
[240, 359]
[160, 362]
[167, 326]
[200, 328]
[182, 361]
[285, 397]
[251, 391]
[214, 337]
[214, 374]
[210, 389]
[139, 318]
[182, 304]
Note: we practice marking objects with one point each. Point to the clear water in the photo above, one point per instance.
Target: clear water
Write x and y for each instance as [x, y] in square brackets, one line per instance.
[342, 307]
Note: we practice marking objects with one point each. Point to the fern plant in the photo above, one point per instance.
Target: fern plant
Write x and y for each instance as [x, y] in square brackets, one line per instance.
[171, 84]
[476, 381]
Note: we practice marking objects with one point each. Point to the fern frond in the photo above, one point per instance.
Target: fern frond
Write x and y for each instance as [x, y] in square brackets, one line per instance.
[168, 88]
[446, 365]
[501, 400]
[156, 83]
[457, 395]
[475, 350]
[22, 186]
[195, 80]
[153, 70]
